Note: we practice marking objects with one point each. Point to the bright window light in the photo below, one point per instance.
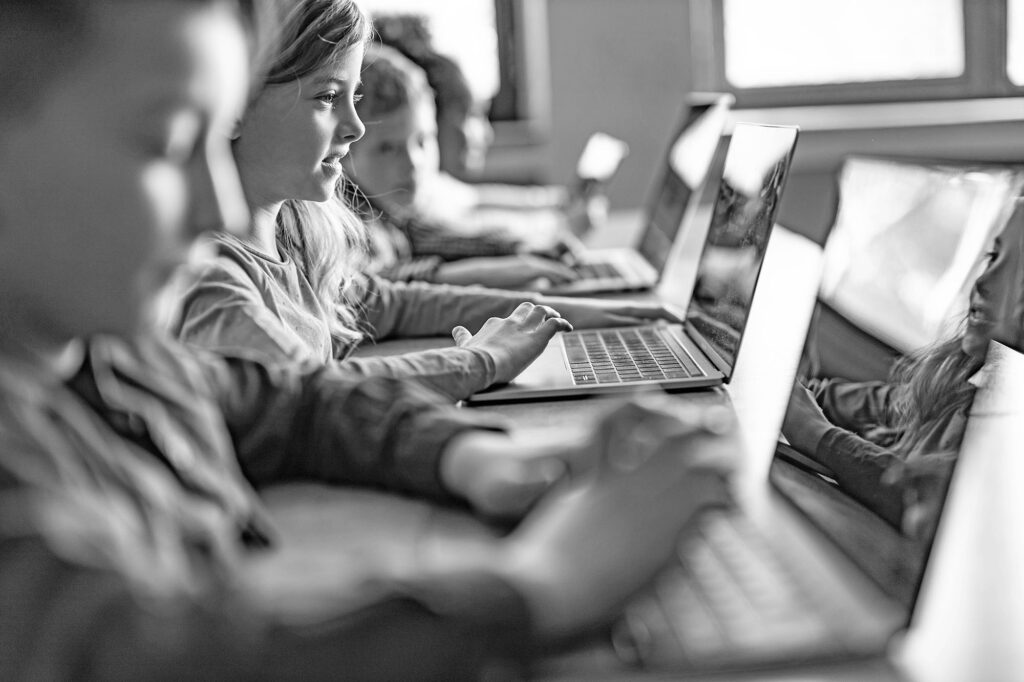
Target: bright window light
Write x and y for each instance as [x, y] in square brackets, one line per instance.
[462, 29]
[1015, 41]
[817, 42]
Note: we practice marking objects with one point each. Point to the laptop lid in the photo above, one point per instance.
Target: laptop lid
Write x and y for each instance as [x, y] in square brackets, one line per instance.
[683, 172]
[756, 166]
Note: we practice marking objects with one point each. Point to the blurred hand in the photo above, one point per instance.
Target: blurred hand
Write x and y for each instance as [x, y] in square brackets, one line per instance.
[502, 476]
[804, 424]
[586, 313]
[587, 547]
[563, 246]
[506, 272]
[514, 341]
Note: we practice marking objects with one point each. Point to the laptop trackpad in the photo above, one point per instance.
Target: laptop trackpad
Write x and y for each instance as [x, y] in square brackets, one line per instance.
[548, 370]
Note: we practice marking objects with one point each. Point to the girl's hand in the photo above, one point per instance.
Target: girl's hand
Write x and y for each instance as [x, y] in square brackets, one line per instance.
[506, 272]
[586, 313]
[514, 341]
[804, 424]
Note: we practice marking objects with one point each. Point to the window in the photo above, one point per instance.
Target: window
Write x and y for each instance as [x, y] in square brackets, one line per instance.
[1015, 41]
[791, 52]
[501, 46]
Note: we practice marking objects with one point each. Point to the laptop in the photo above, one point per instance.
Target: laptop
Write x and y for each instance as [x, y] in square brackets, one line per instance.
[671, 203]
[811, 577]
[701, 351]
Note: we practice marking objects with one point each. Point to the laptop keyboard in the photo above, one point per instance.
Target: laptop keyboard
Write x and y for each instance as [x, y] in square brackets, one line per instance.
[728, 598]
[597, 271]
[615, 356]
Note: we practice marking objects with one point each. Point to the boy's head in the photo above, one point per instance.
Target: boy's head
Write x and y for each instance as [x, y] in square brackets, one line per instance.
[113, 154]
[398, 153]
[464, 132]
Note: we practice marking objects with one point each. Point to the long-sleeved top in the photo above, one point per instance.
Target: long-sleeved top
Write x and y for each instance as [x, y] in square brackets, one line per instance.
[247, 303]
[126, 507]
[858, 447]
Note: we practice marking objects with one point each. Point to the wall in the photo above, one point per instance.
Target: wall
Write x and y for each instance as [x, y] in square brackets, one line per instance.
[622, 66]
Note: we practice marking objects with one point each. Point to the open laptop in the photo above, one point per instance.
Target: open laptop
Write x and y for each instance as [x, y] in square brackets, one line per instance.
[671, 203]
[702, 350]
[813, 576]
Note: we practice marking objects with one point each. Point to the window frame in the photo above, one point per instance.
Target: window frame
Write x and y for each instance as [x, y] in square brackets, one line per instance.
[985, 70]
[521, 110]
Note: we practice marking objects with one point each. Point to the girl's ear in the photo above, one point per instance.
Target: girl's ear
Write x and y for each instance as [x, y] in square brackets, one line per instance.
[236, 130]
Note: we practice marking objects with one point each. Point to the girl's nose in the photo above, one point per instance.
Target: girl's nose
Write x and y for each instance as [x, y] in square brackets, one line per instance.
[350, 126]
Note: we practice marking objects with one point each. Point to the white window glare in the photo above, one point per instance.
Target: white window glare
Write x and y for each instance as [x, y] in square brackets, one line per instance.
[462, 29]
[1015, 41]
[817, 42]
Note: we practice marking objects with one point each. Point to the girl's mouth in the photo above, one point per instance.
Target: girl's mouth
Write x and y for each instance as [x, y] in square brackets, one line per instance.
[333, 162]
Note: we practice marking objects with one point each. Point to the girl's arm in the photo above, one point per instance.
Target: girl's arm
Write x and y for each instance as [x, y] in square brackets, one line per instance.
[417, 309]
[854, 406]
[222, 312]
[403, 310]
[858, 465]
[860, 468]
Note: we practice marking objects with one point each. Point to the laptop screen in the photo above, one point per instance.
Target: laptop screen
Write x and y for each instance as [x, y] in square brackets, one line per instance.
[687, 161]
[756, 166]
[884, 522]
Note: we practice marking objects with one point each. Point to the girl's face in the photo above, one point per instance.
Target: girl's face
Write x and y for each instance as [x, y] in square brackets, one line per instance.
[397, 155]
[293, 137]
[997, 292]
[123, 161]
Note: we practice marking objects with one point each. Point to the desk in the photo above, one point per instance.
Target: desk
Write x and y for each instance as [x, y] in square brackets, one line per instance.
[964, 630]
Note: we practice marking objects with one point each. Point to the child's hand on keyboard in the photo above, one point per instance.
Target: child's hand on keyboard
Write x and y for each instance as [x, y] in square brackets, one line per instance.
[589, 546]
[515, 341]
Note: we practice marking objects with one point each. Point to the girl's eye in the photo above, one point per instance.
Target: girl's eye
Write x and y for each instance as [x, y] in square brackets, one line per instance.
[328, 98]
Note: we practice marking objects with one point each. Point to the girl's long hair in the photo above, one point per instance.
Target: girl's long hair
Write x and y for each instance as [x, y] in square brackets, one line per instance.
[326, 239]
[932, 387]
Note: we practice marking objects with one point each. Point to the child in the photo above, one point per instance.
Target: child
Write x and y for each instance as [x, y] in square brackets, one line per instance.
[393, 166]
[275, 296]
[453, 192]
[127, 528]
[888, 443]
